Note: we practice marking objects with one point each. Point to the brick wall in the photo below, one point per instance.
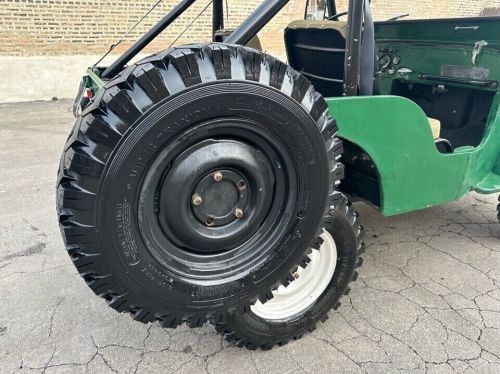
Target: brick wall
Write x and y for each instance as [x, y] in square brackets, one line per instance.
[73, 27]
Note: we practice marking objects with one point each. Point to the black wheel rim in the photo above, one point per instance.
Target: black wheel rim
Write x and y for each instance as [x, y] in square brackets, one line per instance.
[217, 200]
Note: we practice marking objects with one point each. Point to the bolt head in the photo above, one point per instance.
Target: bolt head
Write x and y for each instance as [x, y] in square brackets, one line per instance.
[218, 176]
[238, 213]
[241, 185]
[197, 200]
[296, 275]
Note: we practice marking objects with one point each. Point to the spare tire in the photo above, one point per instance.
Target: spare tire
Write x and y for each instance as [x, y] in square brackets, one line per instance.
[195, 182]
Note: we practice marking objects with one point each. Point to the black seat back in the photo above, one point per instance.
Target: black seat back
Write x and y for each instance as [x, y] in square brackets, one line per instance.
[317, 50]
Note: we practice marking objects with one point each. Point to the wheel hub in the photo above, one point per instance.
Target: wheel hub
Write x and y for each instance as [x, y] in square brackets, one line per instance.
[220, 198]
[215, 195]
[195, 178]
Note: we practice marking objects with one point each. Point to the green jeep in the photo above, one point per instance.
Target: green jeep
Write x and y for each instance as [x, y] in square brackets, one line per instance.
[211, 182]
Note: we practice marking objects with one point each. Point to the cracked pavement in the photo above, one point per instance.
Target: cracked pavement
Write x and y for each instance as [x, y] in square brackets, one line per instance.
[427, 299]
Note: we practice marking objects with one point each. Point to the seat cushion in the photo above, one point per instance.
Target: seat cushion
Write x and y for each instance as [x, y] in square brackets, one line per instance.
[339, 26]
[222, 35]
[435, 127]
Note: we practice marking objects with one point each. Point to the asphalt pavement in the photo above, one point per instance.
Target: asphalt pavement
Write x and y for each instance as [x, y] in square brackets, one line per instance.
[427, 299]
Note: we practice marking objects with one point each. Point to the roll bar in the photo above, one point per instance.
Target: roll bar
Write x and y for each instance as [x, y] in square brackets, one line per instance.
[248, 29]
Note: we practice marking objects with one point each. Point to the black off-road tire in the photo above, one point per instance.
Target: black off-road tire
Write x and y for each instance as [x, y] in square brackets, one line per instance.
[498, 209]
[207, 97]
[252, 331]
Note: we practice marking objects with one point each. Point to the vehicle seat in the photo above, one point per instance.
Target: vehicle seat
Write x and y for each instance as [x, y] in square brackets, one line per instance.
[221, 35]
[442, 145]
[317, 50]
[435, 127]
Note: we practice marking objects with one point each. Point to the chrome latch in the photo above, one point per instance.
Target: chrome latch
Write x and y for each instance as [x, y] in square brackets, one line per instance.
[404, 71]
[478, 47]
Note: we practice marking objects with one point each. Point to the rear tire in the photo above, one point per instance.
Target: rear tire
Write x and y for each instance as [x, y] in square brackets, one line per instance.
[498, 209]
[139, 203]
[279, 321]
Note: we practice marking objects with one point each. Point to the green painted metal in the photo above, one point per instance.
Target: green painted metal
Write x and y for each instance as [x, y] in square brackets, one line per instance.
[432, 59]
[431, 46]
[95, 82]
[395, 132]
[443, 31]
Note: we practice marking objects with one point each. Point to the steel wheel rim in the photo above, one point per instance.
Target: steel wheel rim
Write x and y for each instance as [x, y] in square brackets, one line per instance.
[309, 285]
[226, 263]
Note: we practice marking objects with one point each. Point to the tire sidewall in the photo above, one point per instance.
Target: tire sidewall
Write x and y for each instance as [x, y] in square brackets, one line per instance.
[117, 223]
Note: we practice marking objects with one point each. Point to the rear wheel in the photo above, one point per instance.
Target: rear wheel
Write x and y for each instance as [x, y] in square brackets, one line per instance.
[296, 308]
[195, 182]
[498, 209]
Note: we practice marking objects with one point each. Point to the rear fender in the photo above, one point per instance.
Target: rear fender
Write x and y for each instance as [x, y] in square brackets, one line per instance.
[395, 134]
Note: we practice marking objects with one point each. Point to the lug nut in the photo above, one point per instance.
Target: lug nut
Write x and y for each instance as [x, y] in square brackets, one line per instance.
[238, 213]
[197, 200]
[218, 176]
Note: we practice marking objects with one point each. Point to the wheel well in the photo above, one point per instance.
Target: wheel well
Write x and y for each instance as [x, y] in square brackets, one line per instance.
[362, 178]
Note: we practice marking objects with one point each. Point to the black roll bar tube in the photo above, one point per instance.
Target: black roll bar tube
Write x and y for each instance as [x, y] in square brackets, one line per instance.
[255, 21]
[353, 47]
[332, 7]
[147, 38]
[217, 17]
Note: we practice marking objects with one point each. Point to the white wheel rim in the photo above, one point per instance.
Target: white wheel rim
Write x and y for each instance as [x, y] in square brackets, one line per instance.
[308, 286]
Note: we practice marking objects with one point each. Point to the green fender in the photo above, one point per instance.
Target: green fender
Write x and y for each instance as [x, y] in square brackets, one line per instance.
[412, 174]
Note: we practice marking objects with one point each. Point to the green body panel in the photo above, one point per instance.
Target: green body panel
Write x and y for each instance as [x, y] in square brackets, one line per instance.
[442, 31]
[395, 132]
[430, 46]
[413, 175]
[95, 82]
[93, 79]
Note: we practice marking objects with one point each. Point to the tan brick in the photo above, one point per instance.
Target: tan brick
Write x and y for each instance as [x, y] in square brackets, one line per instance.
[60, 27]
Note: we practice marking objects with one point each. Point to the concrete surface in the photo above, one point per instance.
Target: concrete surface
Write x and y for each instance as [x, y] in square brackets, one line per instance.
[44, 77]
[427, 301]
